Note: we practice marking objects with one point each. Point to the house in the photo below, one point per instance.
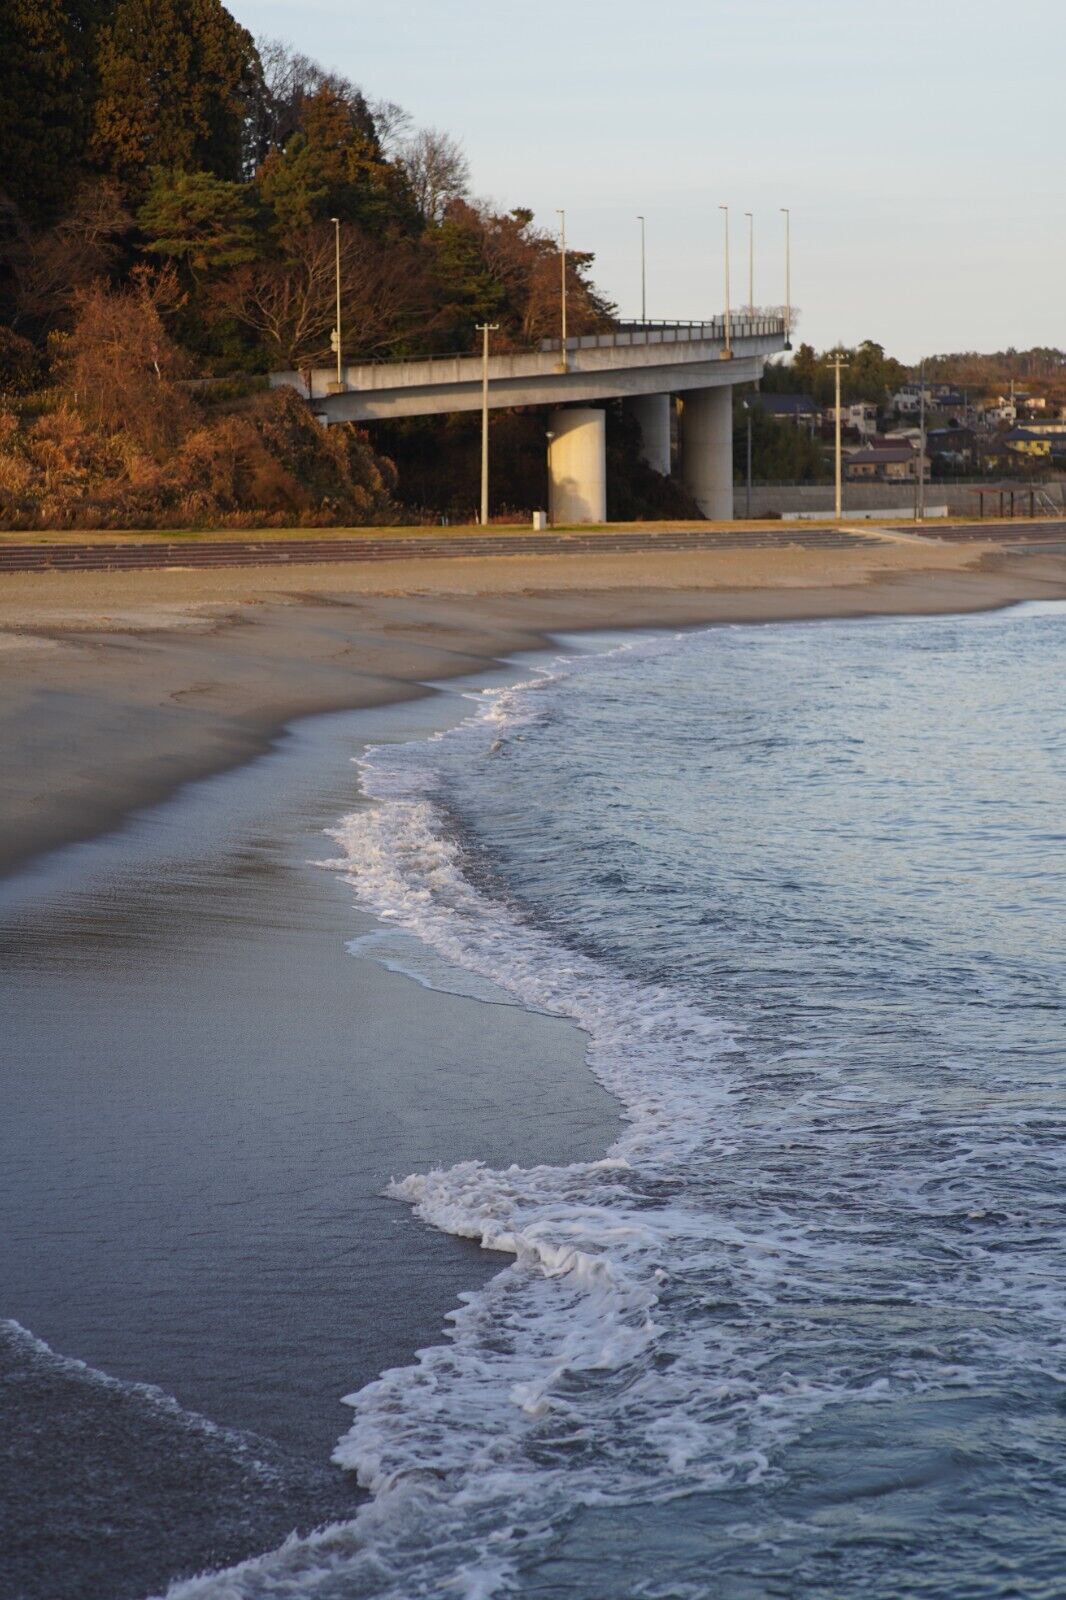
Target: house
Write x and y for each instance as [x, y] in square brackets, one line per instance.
[1039, 441]
[1024, 442]
[907, 400]
[953, 446]
[799, 409]
[885, 464]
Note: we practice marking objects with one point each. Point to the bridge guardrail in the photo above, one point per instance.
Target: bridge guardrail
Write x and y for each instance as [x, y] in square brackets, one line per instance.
[628, 334]
[625, 334]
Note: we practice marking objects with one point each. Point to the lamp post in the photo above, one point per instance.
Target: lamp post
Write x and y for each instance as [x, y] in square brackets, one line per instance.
[643, 271]
[838, 362]
[562, 270]
[788, 276]
[337, 330]
[728, 323]
[751, 264]
[485, 328]
[919, 500]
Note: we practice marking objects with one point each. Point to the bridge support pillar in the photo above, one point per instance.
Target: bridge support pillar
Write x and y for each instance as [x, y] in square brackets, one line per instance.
[652, 415]
[577, 466]
[707, 450]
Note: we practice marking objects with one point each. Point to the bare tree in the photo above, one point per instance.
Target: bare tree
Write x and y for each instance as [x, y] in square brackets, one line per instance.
[290, 304]
[52, 266]
[437, 170]
[290, 79]
[392, 123]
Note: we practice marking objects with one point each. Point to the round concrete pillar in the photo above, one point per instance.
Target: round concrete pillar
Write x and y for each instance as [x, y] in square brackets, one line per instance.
[707, 450]
[577, 466]
[652, 414]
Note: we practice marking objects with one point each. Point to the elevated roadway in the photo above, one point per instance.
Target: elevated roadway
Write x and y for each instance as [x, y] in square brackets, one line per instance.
[646, 365]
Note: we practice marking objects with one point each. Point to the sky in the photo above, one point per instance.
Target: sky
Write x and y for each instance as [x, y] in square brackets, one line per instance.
[918, 145]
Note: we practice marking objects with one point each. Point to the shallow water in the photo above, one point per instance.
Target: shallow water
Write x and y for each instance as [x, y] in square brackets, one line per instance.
[202, 1097]
[801, 1331]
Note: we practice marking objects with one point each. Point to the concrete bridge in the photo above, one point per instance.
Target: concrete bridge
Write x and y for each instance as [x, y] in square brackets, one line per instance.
[646, 365]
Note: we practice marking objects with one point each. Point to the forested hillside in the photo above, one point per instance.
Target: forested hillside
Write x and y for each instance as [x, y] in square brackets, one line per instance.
[166, 193]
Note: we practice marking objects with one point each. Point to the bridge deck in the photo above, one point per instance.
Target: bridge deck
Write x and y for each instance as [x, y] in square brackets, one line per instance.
[623, 361]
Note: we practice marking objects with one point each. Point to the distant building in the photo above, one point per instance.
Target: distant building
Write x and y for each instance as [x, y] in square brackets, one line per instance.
[907, 400]
[953, 447]
[885, 464]
[799, 409]
[1044, 441]
[861, 416]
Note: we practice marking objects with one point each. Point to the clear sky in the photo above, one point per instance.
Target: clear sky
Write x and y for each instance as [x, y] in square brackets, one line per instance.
[919, 144]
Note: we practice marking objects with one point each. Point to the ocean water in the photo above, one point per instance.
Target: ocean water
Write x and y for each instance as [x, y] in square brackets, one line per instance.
[800, 1331]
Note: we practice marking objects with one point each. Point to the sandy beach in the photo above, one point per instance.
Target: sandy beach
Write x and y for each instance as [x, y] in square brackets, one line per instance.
[116, 688]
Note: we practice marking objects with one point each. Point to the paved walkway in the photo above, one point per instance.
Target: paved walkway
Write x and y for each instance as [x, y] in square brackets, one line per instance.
[130, 555]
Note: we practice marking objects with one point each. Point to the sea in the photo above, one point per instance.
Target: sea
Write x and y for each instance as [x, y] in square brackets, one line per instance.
[800, 1330]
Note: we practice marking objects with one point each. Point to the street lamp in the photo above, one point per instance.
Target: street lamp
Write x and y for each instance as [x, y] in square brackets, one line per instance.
[837, 361]
[728, 323]
[562, 269]
[643, 271]
[919, 499]
[485, 328]
[337, 330]
[751, 264]
[788, 276]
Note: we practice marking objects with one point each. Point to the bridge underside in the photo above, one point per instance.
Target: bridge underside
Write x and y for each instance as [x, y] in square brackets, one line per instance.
[692, 366]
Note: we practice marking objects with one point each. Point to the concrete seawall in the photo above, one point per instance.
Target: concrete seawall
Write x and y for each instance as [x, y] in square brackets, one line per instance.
[959, 498]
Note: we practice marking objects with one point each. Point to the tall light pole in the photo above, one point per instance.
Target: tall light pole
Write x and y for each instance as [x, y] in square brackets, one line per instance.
[485, 328]
[562, 270]
[920, 502]
[751, 264]
[643, 271]
[838, 362]
[728, 321]
[788, 276]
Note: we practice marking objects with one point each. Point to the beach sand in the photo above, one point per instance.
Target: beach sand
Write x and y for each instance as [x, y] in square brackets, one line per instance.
[116, 688]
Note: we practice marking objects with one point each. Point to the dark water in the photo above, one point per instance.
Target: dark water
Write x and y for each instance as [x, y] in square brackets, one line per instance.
[802, 1333]
[202, 1098]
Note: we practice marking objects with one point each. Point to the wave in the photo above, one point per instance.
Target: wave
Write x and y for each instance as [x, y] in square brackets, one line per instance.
[577, 1375]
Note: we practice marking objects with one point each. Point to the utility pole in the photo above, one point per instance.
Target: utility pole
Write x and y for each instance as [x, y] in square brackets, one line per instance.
[747, 417]
[788, 277]
[751, 264]
[562, 269]
[643, 271]
[837, 361]
[336, 340]
[485, 328]
[728, 322]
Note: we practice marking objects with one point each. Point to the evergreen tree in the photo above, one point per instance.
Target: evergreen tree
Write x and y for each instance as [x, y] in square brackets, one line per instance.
[205, 223]
[47, 87]
[333, 166]
[175, 81]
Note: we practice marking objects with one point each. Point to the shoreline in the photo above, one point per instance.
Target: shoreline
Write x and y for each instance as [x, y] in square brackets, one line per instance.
[118, 689]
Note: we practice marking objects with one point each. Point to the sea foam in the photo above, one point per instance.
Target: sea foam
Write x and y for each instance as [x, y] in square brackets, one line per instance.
[565, 1380]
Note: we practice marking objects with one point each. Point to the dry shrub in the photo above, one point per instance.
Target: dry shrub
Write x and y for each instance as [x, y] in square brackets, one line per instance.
[122, 444]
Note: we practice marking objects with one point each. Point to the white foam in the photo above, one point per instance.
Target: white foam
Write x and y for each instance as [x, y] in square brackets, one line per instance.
[599, 1367]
